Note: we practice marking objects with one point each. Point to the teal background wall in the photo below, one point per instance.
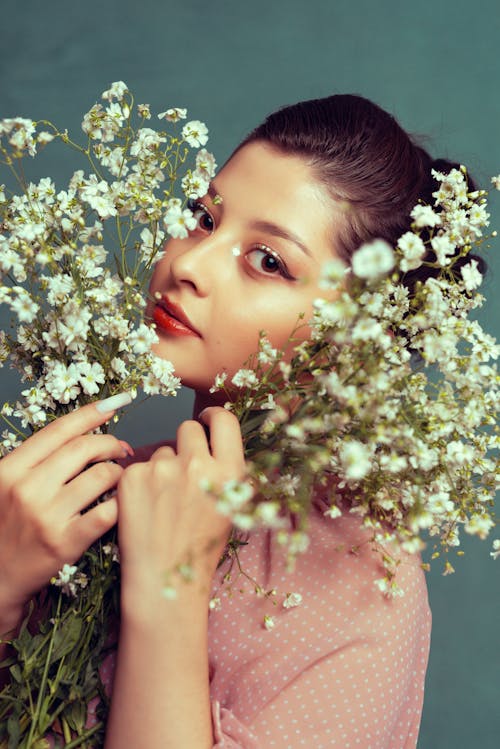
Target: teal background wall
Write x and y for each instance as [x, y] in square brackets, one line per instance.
[434, 64]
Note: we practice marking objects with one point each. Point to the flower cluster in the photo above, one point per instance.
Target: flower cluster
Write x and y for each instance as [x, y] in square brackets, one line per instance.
[74, 262]
[74, 270]
[390, 410]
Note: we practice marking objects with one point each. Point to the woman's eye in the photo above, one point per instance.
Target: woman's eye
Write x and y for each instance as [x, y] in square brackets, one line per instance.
[204, 219]
[265, 261]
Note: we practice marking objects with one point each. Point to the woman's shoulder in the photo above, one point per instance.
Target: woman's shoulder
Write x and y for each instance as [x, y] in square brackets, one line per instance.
[339, 577]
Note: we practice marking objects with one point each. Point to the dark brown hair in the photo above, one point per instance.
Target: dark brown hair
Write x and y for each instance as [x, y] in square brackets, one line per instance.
[368, 163]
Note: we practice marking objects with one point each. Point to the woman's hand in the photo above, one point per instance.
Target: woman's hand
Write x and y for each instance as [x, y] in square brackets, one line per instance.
[166, 518]
[43, 490]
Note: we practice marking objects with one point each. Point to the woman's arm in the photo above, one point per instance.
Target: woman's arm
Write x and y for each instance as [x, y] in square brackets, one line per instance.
[161, 689]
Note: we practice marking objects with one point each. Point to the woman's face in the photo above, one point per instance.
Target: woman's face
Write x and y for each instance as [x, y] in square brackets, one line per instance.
[252, 264]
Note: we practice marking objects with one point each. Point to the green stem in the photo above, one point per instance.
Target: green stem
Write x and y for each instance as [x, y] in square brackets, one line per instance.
[43, 685]
[84, 736]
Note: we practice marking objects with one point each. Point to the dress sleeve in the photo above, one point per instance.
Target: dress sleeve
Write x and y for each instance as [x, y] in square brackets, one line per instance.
[345, 669]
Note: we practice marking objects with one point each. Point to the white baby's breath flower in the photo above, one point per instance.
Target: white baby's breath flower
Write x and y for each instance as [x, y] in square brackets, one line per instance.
[91, 376]
[173, 115]
[496, 543]
[245, 378]
[234, 495]
[144, 111]
[424, 215]
[69, 579]
[195, 133]
[333, 512]
[195, 184]
[389, 587]
[292, 600]
[479, 525]
[269, 622]
[219, 381]
[413, 250]
[205, 164]
[333, 274]
[444, 248]
[268, 514]
[373, 260]
[355, 458]
[112, 550]
[117, 90]
[178, 222]
[23, 305]
[471, 275]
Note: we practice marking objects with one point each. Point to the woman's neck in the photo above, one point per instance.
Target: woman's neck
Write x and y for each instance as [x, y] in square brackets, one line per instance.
[205, 400]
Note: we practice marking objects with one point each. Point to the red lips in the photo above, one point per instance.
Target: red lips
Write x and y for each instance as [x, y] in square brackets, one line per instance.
[171, 319]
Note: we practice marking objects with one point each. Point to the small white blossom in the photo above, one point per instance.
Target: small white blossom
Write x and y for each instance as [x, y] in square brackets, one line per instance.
[479, 525]
[443, 247]
[205, 164]
[117, 90]
[292, 600]
[179, 223]
[219, 381]
[173, 115]
[269, 622]
[234, 495]
[373, 260]
[424, 215]
[496, 543]
[195, 133]
[245, 378]
[471, 275]
[355, 458]
[91, 376]
[69, 579]
[413, 250]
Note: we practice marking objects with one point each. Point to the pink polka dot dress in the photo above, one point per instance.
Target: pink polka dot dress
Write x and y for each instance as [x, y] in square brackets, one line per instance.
[344, 668]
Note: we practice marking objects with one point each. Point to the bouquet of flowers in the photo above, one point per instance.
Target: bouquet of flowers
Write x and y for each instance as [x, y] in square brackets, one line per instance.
[392, 405]
[74, 267]
[388, 409]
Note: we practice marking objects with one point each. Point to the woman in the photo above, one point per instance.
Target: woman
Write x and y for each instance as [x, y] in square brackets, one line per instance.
[344, 668]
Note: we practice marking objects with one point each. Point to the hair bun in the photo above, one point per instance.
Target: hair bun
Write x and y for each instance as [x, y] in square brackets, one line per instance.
[445, 166]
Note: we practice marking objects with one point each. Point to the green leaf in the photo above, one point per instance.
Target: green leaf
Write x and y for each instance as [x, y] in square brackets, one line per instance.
[66, 638]
[14, 729]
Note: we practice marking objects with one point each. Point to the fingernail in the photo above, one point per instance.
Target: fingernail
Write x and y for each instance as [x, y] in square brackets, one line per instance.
[129, 450]
[115, 401]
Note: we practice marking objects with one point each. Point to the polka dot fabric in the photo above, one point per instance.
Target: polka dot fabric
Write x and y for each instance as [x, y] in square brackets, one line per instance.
[345, 668]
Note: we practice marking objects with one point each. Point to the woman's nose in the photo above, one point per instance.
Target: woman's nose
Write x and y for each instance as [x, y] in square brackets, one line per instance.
[199, 262]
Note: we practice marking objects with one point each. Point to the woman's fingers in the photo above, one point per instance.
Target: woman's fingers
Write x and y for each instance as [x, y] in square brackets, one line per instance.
[83, 530]
[225, 436]
[164, 452]
[192, 440]
[67, 462]
[38, 447]
[88, 486]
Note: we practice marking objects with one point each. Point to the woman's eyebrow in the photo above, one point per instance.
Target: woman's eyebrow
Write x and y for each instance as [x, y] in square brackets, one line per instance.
[266, 226]
[279, 231]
